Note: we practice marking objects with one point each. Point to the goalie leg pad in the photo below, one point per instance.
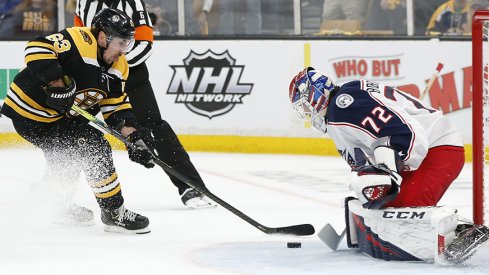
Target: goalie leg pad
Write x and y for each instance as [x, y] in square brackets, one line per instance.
[351, 234]
[401, 234]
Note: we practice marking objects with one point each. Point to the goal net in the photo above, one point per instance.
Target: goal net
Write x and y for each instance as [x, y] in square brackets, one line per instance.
[480, 115]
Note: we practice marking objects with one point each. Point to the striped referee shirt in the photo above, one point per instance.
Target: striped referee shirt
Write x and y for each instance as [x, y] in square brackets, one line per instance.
[135, 9]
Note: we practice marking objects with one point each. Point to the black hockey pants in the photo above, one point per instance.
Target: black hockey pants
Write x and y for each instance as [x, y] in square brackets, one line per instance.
[146, 111]
[71, 146]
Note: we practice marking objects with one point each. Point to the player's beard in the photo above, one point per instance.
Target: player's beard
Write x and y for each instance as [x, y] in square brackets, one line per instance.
[110, 58]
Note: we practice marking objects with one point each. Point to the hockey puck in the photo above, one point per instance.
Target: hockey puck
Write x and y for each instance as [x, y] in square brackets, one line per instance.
[293, 245]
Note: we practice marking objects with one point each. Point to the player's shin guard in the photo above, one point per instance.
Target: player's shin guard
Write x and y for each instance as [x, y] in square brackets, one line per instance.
[114, 215]
[108, 192]
[400, 234]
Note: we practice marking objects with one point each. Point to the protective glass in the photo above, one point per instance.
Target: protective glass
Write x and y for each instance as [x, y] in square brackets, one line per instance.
[120, 44]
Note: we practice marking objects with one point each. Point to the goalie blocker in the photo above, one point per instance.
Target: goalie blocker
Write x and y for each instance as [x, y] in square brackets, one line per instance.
[429, 234]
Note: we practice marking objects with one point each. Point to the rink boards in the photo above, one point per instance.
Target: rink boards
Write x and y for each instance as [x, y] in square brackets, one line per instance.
[232, 95]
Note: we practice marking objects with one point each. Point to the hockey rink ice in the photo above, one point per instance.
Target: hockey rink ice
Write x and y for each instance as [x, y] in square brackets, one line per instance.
[275, 190]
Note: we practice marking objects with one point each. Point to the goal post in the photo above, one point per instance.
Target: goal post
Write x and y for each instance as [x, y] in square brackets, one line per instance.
[480, 111]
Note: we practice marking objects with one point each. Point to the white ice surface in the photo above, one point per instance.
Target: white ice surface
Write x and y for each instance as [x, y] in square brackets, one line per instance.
[275, 190]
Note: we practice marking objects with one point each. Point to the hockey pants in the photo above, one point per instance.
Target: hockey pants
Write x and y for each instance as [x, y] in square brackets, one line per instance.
[426, 185]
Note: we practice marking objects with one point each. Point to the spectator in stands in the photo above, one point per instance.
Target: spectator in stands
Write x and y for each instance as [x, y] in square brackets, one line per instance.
[239, 17]
[452, 18]
[422, 13]
[279, 17]
[476, 5]
[196, 12]
[7, 6]
[163, 16]
[35, 18]
[387, 15]
[6, 13]
[344, 10]
[70, 6]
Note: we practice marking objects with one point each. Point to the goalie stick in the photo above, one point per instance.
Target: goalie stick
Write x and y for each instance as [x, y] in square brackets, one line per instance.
[329, 236]
[297, 230]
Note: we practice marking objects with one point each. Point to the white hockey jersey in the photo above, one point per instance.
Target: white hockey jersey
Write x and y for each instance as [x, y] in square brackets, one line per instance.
[363, 115]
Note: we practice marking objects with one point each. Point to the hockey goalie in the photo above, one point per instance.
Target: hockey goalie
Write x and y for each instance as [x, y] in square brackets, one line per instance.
[403, 156]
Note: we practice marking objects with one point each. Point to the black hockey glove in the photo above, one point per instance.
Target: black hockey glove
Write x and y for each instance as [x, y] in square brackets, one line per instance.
[62, 98]
[143, 146]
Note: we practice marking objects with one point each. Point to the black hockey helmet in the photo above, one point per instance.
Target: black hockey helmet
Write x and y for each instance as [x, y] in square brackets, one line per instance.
[113, 22]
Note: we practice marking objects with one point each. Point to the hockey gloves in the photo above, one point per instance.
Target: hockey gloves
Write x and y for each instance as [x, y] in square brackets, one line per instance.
[375, 185]
[61, 98]
[143, 146]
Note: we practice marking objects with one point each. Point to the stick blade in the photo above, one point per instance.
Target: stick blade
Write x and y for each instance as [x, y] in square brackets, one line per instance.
[296, 230]
[329, 236]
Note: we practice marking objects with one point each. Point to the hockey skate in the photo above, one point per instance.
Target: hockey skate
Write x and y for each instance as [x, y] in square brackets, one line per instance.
[196, 200]
[467, 243]
[122, 220]
[74, 214]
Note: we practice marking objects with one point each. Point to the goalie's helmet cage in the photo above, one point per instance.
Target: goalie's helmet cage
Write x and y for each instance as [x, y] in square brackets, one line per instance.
[309, 93]
[480, 115]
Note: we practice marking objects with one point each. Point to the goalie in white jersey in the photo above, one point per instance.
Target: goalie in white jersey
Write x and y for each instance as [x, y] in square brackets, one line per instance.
[402, 154]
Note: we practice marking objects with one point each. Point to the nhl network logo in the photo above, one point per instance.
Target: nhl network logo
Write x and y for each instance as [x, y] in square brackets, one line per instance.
[209, 83]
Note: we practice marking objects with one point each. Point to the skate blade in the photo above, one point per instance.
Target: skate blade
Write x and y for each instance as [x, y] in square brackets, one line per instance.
[117, 229]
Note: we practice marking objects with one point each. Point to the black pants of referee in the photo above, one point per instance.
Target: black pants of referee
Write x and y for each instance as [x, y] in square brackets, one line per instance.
[145, 108]
[71, 146]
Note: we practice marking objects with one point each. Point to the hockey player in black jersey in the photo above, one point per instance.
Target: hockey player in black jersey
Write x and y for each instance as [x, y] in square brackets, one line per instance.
[85, 67]
[142, 97]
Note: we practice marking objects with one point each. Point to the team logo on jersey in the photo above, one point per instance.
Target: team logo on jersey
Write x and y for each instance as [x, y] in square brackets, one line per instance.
[86, 37]
[344, 100]
[86, 99]
[208, 83]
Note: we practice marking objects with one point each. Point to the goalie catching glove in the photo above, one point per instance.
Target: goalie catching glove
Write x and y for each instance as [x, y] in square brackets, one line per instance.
[61, 98]
[143, 147]
[376, 185]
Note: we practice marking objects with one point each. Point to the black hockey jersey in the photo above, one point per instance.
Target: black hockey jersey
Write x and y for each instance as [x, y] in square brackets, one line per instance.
[73, 52]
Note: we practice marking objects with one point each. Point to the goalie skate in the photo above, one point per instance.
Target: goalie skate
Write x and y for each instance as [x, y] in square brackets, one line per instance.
[196, 200]
[122, 220]
[466, 244]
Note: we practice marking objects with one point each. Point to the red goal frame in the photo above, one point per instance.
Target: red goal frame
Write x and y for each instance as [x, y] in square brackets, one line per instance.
[478, 146]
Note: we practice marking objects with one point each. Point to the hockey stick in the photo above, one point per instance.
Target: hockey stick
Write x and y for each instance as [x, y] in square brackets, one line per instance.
[329, 236]
[435, 75]
[297, 230]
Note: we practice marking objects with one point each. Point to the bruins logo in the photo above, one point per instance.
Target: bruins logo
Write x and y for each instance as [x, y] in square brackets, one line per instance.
[86, 37]
[86, 99]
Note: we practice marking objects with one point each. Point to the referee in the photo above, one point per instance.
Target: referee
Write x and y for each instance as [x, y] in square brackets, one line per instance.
[141, 94]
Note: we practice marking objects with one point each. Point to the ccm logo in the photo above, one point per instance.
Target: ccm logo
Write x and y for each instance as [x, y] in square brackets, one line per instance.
[403, 215]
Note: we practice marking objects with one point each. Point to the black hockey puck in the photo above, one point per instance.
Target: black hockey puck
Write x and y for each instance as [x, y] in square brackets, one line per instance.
[293, 245]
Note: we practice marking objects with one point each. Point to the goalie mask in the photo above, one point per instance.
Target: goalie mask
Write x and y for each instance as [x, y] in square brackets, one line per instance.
[309, 92]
